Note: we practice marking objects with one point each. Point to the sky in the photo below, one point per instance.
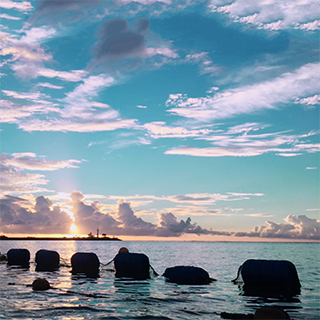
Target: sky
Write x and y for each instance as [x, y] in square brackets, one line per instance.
[160, 119]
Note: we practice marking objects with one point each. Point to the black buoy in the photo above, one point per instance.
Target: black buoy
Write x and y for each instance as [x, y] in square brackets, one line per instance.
[40, 284]
[86, 263]
[187, 275]
[47, 260]
[18, 257]
[263, 277]
[132, 265]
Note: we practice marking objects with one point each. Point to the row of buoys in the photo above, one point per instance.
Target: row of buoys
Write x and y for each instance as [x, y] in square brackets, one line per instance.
[255, 275]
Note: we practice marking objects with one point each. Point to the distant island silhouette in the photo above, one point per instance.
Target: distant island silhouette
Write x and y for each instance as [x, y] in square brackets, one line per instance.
[90, 238]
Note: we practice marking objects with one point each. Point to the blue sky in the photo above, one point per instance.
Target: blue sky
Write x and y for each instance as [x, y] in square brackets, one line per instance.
[160, 118]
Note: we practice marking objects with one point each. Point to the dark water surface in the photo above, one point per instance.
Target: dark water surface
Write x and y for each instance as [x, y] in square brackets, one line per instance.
[108, 298]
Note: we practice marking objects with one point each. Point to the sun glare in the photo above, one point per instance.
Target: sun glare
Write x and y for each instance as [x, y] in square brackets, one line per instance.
[73, 228]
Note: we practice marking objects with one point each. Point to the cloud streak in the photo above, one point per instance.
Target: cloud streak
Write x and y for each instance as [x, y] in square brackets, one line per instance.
[15, 179]
[248, 99]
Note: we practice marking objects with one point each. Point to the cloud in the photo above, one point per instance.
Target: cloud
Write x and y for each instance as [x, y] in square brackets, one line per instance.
[311, 168]
[120, 48]
[24, 6]
[34, 70]
[309, 102]
[14, 179]
[248, 99]
[44, 217]
[6, 16]
[170, 226]
[49, 85]
[158, 130]
[27, 161]
[78, 112]
[12, 112]
[125, 221]
[206, 65]
[117, 41]
[36, 35]
[41, 217]
[297, 227]
[274, 15]
[66, 11]
[238, 142]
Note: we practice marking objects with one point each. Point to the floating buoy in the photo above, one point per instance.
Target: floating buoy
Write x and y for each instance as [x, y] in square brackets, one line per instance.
[85, 262]
[270, 313]
[40, 284]
[18, 257]
[123, 249]
[277, 276]
[187, 275]
[132, 265]
[47, 260]
[3, 257]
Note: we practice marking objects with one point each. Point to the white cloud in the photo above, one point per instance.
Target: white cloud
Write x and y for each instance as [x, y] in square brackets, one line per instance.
[21, 6]
[310, 26]
[252, 98]
[36, 35]
[49, 85]
[15, 179]
[26, 95]
[161, 51]
[271, 15]
[26, 52]
[237, 142]
[309, 101]
[159, 130]
[72, 76]
[6, 16]
[311, 168]
[206, 65]
[29, 161]
[14, 112]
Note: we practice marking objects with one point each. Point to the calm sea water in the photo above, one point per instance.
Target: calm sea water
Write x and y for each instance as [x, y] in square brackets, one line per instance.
[108, 298]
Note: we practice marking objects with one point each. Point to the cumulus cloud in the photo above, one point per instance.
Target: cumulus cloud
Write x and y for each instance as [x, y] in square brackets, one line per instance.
[125, 221]
[296, 227]
[41, 216]
[274, 15]
[309, 102]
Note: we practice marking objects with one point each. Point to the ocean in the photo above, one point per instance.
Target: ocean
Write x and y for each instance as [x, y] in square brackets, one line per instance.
[74, 298]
